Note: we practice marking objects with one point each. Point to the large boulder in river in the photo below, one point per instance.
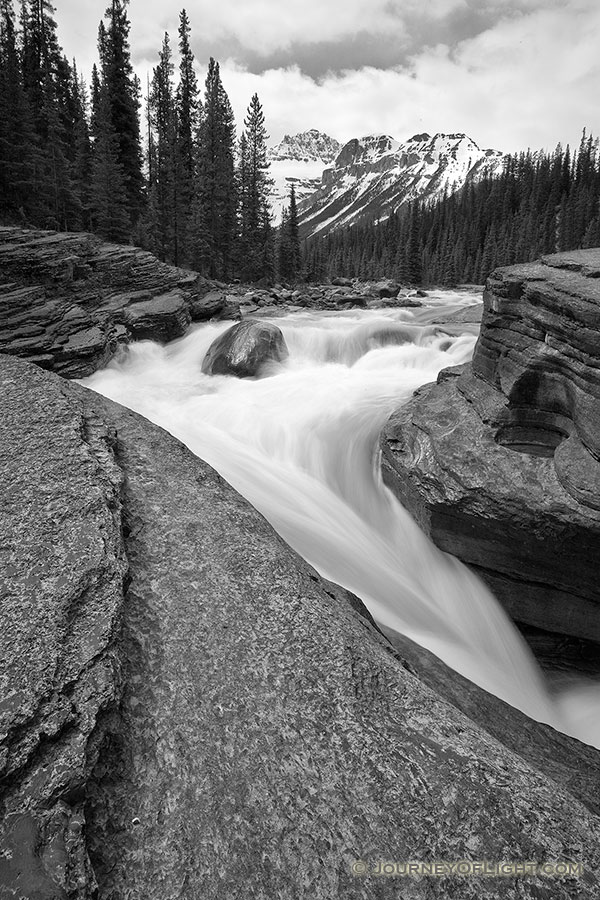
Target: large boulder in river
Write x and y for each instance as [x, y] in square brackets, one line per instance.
[244, 349]
[189, 711]
[499, 461]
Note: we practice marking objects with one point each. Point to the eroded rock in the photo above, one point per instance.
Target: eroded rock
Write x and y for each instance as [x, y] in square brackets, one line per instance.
[498, 462]
[68, 299]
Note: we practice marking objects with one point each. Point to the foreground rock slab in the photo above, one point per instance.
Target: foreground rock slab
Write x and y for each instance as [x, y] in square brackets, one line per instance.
[62, 568]
[499, 461]
[236, 725]
[245, 349]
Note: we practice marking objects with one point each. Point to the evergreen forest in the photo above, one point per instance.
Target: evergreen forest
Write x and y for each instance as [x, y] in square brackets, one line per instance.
[539, 203]
[78, 157]
[179, 182]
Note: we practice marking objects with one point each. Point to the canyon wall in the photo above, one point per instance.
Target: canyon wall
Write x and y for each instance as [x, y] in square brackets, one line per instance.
[499, 461]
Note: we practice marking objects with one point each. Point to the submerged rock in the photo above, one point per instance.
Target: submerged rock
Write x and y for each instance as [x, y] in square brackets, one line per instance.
[244, 349]
[226, 718]
[499, 461]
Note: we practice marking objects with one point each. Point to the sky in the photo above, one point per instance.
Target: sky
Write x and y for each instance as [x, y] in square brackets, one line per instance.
[511, 74]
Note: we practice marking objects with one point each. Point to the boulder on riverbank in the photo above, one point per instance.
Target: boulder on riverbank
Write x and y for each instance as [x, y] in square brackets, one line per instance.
[245, 349]
[67, 300]
[498, 462]
[203, 712]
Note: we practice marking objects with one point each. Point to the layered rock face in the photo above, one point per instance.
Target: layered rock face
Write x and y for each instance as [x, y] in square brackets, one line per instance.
[221, 721]
[499, 461]
[68, 300]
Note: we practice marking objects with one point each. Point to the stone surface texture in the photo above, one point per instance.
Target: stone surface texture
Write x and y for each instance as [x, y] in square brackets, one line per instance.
[223, 723]
[499, 461]
[245, 349]
[62, 567]
[68, 299]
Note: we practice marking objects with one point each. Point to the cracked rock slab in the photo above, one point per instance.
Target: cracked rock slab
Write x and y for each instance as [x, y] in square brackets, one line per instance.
[254, 734]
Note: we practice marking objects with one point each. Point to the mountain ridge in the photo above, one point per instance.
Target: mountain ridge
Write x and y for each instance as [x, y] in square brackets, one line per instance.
[374, 175]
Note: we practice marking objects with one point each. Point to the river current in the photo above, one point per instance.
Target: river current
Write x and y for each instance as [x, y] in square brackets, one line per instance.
[301, 445]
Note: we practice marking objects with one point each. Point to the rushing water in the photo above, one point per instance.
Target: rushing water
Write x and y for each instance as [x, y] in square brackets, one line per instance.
[301, 445]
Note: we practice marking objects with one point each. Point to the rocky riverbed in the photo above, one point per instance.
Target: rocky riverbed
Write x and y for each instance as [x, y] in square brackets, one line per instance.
[67, 301]
[188, 707]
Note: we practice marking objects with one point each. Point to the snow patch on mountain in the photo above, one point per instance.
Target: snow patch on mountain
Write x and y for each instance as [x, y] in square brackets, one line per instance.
[299, 160]
[374, 175]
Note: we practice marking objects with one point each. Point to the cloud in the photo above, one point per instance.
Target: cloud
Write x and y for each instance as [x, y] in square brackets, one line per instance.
[531, 80]
[511, 73]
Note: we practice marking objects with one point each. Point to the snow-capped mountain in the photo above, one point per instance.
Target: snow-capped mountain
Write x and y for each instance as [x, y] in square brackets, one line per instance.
[372, 176]
[300, 160]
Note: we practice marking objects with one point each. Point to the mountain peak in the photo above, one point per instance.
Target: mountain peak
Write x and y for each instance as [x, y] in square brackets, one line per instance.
[299, 159]
[308, 145]
[375, 174]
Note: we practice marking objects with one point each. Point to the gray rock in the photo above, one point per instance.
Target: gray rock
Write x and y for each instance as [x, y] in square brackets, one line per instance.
[255, 729]
[351, 300]
[387, 288]
[207, 306]
[498, 462]
[244, 349]
[265, 735]
[62, 566]
[162, 318]
[67, 300]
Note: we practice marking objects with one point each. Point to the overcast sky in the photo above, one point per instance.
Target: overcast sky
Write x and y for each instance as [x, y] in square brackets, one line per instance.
[509, 73]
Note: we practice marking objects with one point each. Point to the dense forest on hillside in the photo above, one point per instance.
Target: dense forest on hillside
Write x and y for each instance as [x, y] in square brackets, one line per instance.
[539, 203]
[78, 157]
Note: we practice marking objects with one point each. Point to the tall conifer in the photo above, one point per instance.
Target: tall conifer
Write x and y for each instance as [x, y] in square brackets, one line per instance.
[17, 137]
[187, 108]
[215, 199]
[123, 100]
[254, 187]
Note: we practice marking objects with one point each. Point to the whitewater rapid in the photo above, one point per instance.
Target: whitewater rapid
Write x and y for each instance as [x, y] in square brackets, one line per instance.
[301, 446]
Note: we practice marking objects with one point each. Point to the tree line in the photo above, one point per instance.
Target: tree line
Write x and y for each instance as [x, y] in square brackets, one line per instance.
[74, 158]
[538, 203]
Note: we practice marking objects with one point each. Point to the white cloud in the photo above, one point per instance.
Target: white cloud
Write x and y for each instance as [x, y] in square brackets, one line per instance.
[530, 79]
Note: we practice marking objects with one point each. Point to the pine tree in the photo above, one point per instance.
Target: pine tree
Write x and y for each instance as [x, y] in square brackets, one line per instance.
[163, 200]
[254, 186]
[188, 107]
[215, 198]
[108, 201]
[47, 79]
[17, 136]
[123, 100]
[82, 151]
[289, 241]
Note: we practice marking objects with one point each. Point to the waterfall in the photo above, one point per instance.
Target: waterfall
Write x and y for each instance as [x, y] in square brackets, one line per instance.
[301, 446]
